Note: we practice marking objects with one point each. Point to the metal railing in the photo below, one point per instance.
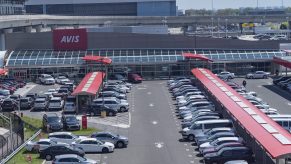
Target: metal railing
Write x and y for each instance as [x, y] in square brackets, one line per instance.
[20, 147]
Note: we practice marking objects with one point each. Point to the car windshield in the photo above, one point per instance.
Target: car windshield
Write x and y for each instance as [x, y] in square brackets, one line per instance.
[39, 101]
[23, 100]
[71, 119]
[53, 119]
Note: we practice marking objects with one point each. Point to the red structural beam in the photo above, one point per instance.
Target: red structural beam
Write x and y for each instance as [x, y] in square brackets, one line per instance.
[103, 60]
[196, 56]
[282, 62]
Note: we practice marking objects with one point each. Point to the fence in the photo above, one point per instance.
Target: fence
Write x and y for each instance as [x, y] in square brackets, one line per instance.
[12, 139]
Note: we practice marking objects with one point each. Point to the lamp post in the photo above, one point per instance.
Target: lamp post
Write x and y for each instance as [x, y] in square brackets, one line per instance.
[226, 28]
[288, 32]
[212, 26]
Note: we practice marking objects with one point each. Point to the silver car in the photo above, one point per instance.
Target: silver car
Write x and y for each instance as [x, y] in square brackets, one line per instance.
[118, 140]
[72, 159]
[113, 102]
[258, 75]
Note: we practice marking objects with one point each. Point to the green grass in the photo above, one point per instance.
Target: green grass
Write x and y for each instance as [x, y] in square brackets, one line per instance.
[21, 156]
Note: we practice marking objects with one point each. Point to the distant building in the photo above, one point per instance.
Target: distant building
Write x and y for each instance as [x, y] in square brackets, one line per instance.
[102, 7]
[11, 7]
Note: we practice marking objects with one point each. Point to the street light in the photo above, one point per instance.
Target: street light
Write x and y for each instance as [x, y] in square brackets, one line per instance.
[212, 26]
[218, 19]
[226, 28]
[288, 32]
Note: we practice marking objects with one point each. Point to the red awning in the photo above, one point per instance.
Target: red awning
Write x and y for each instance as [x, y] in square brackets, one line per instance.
[90, 84]
[104, 60]
[3, 71]
[271, 136]
[281, 61]
[196, 56]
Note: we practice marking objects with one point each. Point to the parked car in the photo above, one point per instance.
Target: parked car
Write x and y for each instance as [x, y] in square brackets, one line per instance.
[72, 159]
[226, 75]
[8, 105]
[217, 148]
[46, 79]
[258, 75]
[118, 140]
[95, 109]
[112, 94]
[51, 122]
[94, 145]
[134, 78]
[210, 138]
[282, 78]
[65, 137]
[114, 103]
[70, 122]
[70, 107]
[52, 151]
[15, 97]
[55, 103]
[62, 80]
[39, 145]
[26, 103]
[40, 104]
[218, 142]
[32, 95]
[229, 153]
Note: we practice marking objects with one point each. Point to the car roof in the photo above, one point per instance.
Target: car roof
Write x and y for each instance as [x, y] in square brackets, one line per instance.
[59, 133]
[88, 139]
[44, 139]
[51, 114]
[40, 99]
[213, 121]
[223, 128]
[227, 138]
[66, 156]
[56, 98]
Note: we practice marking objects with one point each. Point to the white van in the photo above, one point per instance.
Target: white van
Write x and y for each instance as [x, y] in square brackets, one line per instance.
[201, 126]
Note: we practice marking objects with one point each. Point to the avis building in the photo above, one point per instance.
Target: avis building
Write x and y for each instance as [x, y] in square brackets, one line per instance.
[102, 7]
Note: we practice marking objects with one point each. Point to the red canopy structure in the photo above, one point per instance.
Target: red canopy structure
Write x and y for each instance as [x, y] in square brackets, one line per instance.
[284, 61]
[3, 71]
[103, 60]
[90, 84]
[196, 56]
[275, 140]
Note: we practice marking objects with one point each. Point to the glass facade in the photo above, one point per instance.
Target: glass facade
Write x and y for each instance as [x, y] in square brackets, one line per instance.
[151, 63]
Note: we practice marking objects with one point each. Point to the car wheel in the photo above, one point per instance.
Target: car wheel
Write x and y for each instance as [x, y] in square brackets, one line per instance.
[48, 157]
[122, 109]
[120, 144]
[191, 137]
[110, 114]
[105, 150]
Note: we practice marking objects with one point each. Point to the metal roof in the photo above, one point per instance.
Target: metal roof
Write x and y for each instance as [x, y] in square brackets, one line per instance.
[90, 84]
[271, 136]
[33, 58]
[284, 61]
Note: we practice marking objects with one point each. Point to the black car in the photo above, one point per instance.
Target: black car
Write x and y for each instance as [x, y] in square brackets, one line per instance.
[95, 109]
[229, 153]
[8, 105]
[52, 151]
[113, 89]
[15, 97]
[52, 122]
[26, 102]
[282, 78]
[32, 95]
[71, 99]
[70, 122]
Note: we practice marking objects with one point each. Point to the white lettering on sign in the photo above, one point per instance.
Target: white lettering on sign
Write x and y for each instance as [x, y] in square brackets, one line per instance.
[70, 39]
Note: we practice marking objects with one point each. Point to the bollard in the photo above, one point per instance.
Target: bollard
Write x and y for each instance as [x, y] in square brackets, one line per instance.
[84, 122]
[21, 114]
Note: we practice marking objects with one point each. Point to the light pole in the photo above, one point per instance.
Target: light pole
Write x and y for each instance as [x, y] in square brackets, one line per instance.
[226, 28]
[212, 26]
[218, 19]
[288, 32]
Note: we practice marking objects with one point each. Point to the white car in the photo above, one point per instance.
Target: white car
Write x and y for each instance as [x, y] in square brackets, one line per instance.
[72, 159]
[40, 145]
[258, 75]
[226, 75]
[46, 79]
[65, 137]
[62, 80]
[94, 145]
[219, 141]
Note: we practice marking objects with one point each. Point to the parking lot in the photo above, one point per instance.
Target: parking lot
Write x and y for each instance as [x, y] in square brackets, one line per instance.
[152, 125]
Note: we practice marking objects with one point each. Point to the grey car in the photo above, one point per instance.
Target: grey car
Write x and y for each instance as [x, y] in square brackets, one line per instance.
[118, 140]
[72, 159]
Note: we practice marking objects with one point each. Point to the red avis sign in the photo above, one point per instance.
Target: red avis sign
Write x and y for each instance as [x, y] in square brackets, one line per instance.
[70, 39]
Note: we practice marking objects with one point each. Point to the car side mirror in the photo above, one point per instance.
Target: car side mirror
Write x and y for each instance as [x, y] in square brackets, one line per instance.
[112, 137]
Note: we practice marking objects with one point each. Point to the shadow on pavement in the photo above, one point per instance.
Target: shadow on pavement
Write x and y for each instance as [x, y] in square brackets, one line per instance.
[279, 91]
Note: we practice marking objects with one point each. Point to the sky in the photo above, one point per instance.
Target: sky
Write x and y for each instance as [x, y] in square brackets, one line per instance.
[218, 4]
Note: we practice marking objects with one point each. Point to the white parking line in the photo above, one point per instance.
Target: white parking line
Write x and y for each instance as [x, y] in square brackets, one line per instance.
[190, 155]
[151, 105]
[155, 122]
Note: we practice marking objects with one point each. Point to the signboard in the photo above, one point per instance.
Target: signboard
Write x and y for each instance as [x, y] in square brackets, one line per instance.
[70, 39]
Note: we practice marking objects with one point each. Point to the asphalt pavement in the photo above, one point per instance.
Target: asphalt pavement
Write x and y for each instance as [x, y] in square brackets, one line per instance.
[275, 96]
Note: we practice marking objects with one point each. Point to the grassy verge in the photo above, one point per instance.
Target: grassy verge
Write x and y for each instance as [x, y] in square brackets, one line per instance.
[21, 156]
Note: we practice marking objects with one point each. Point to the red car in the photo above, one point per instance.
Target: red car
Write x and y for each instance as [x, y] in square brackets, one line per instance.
[134, 78]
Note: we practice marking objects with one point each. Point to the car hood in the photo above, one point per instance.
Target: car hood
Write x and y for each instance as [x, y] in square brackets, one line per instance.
[109, 144]
[122, 137]
[72, 122]
[205, 145]
[52, 79]
[90, 160]
[186, 129]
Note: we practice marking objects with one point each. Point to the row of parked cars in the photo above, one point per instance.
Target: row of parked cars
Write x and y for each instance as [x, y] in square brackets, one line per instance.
[66, 147]
[215, 137]
[284, 82]
[252, 75]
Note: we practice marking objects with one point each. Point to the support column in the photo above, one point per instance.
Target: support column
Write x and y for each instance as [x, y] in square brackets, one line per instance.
[28, 29]
[2, 41]
[280, 161]
[38, 28]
